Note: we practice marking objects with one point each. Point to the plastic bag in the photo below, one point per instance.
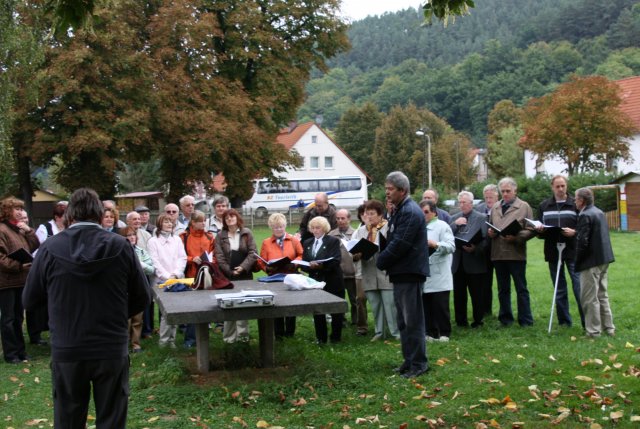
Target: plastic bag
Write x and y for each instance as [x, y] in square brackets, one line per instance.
[300, 282]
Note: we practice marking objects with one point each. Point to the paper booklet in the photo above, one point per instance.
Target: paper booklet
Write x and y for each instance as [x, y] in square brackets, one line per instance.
[537, 224]
[306, 264]
[512, 229]
[466, 241]
[362, 245]
[21, 255]
[277, 262]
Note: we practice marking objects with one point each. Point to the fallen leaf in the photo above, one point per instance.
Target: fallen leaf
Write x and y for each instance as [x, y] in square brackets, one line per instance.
[262, 424]
[616, 415]
[635, 418]
[561, 417]
[153, 419]
[239, 420]
[36, 380]
[299, 402]
[520, 356]
[552, 358]
[236, 394]
[495, 361]
[628, 345]
[14, 379]
[517, 425]
[34, 422]
[595, 426]
[26, 370]
[455, 395]
[583, 378]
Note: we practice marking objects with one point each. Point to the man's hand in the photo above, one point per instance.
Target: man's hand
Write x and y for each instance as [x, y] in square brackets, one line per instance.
[469, 248]
[315, 265]
[492, 233]
[568, 232]
[433, 244]
[461, 221]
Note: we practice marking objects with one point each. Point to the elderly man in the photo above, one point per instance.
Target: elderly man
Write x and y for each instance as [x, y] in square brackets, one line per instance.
[214, 223]
[491, 196]
[560, 211]
[322, 208]
[406, 260]
[134, 220]
[509, 253]
[358, 304]
[187, 206]
[469, 266]
[593, 256]
[432, 195]
[145, 214]
[172, 211]
[92, 283]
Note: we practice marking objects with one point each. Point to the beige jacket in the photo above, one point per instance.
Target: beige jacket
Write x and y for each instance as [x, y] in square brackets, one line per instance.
[501, 249]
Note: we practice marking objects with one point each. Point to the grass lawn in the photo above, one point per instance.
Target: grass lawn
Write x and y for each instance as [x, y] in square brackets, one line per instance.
[486, 377]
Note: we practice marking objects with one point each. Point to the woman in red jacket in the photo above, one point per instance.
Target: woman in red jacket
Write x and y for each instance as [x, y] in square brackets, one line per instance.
[279, 245]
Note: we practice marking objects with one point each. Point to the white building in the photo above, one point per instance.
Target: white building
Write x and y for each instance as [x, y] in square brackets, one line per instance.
[322, 157]
[630, 94]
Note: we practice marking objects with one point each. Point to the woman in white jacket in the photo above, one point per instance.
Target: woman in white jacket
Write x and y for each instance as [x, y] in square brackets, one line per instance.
[169, 261]
[439, 284]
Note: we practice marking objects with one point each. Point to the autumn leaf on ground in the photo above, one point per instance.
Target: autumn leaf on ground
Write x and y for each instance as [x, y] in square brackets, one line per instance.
[153, 419]
[635, 418]
[628, 345]
[239, 420]
[583, 378]
[262, 424]
[34, 422]
[616, 415]
[561, 417]
[491, 401]
[299, 402]
[235, 395]
[551, 358]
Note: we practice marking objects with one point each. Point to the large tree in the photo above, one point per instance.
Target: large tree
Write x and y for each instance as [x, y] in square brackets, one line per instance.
[356, 134]
[580, 123]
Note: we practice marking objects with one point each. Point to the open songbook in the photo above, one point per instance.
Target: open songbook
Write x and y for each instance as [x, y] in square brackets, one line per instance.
[306, 264]
[536, 224]
[468, 239]
[277, 262]
[512, 229]
[363, 246]
[21, 255]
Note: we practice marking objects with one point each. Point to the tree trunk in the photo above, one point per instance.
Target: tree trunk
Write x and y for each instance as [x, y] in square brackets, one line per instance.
[24, 180]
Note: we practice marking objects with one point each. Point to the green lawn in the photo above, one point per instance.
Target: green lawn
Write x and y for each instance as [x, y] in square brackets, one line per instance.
[513, 377]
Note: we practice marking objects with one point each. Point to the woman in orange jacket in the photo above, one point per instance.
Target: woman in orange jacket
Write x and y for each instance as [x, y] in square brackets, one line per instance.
[197, 242]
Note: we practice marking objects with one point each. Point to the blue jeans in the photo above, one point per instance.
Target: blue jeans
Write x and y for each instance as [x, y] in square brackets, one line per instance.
[408, 299]
[562, 295]
[505, 270]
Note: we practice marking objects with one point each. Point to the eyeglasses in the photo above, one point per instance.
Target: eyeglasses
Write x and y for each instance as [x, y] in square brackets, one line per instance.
[426, 211]
[171, 211]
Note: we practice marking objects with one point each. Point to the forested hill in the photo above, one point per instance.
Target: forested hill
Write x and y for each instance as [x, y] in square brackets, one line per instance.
[506, 49]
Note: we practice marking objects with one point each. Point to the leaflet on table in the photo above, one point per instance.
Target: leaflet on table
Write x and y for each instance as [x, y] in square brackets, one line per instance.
[244, 294]
[362, 245]
[306, 264]
[512, 229]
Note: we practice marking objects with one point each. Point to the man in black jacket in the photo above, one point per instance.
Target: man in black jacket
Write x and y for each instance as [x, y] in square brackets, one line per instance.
[92, 283]
[559, 212]
[322, 208]
[593, 256]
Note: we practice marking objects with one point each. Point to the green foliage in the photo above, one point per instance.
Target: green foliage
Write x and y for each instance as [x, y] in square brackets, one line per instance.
[356, 133]
[445, 9]
[621, 64]
[140, 176]
[504, 156]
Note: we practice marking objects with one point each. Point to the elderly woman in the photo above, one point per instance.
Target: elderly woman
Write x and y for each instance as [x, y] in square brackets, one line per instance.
[375, 283]
[15, 234]
[323, 246]
[437, 288]
[110, 220]
[135, 322]
[280, 245]
[169, 261]
[236, 256]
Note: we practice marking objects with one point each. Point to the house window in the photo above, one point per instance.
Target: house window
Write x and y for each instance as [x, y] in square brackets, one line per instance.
[328, 163]
[314, 163]
[314, 139]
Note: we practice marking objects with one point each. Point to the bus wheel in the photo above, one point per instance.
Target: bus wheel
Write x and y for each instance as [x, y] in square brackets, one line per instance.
[260, 212]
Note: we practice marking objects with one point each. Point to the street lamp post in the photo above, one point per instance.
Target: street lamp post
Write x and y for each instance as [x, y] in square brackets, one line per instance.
[424, 132]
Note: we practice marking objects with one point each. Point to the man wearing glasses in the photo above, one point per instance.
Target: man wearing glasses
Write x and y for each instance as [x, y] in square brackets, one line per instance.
[187, 206]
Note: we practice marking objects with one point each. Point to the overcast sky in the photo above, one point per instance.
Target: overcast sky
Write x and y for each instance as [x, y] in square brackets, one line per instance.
[359, 9]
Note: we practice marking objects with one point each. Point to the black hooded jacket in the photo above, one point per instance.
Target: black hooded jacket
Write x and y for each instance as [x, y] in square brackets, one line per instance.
[92, 283]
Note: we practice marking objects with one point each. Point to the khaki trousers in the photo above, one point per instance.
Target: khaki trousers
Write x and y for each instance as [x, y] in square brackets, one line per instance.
[595, 301]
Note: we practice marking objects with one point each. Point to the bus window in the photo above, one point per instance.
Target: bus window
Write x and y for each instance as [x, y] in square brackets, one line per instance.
[263, 187]
[328, 185]
[350, 184]
[308, 185]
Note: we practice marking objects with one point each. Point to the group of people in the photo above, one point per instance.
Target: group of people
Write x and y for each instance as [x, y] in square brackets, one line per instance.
[91, 287]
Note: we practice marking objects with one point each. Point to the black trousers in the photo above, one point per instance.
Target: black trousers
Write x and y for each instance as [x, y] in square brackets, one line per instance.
[147, 320]
[437, 317]
[320, 322]
[72, 384]
[285, 326]
[474, 283]
[11, 318]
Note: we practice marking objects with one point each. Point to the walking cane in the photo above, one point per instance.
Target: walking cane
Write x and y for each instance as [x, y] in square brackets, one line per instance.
[561, 247]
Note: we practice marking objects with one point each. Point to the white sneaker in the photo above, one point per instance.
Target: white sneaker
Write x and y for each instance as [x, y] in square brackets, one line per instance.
[430, 339]
[443, 339]
[376, 337]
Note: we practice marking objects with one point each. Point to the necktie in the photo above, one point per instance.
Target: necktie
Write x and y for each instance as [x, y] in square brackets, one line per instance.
[316, 247]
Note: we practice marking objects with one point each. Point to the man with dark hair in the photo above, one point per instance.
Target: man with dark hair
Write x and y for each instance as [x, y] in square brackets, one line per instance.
[92, 283]
[406, 260]
[593, 256]
[560, 211]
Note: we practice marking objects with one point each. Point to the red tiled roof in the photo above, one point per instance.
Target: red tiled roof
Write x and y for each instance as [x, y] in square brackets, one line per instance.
[289, 137]
[630, 95]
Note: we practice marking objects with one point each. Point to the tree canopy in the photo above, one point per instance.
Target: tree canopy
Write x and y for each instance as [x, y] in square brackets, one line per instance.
[580, 123]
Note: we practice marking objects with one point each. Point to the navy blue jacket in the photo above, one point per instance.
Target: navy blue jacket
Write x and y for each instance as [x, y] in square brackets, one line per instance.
[92, 283]
[406, 256]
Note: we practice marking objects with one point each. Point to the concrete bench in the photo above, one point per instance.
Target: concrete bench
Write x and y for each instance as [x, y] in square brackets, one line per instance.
[200, 308]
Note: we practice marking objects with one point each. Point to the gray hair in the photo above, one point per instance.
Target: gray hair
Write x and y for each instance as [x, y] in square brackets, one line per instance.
[508, 181]
[221, 200]
[185, 199]
[466, 194]
[586, 195]
[490, 188]
[399, 180]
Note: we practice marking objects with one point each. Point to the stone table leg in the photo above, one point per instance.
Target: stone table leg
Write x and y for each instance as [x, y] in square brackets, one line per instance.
[202, 347]
[267, 342]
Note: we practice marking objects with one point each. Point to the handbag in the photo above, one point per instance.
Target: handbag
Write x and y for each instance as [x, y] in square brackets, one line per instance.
[209, 276]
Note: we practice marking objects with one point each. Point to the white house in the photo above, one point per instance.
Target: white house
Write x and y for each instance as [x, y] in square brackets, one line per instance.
[630, 94]
[322, 157]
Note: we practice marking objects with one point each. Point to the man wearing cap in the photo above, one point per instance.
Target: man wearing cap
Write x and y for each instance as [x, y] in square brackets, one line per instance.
[145, 214]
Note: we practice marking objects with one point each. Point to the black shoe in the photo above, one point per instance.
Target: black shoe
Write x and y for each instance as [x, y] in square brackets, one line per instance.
[39, 342]
[414, 373]
[476, 324]
[25, 358]
[402, 369]
[13, 361]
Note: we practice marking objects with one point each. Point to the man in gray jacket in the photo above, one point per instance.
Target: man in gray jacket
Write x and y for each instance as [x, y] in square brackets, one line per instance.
[593, 256]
